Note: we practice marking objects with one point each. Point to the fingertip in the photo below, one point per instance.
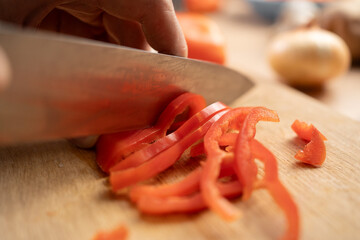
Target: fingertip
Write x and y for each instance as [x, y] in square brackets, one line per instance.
[179, 49]
[4, 70]
[166, 36]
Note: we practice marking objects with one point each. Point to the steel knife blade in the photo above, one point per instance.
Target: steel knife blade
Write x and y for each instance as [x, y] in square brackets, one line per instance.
[63, 86]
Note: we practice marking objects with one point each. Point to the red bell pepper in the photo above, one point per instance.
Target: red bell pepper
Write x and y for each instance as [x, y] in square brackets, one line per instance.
[245, 165]
[202, 5]
[304, 130]
[277, 190]
[187, 204]
[186, 186]
[226, 138]
[160, 162]
[203, 36]
[151, 150]
[215, 156]
[111, 148]
[314, 152]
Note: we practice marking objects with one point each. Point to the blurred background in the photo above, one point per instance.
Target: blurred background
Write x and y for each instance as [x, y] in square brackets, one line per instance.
[313, 46]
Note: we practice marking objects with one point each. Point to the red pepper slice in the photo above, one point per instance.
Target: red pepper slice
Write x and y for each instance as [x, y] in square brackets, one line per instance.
[161, 161]
[203, 36]
[111, 148]
[150, 151]
[186, 186]
[314, 152]
[193, 203]
[202, 5]
[245, 165]
[304, 130]
[119, 233]
[194, 102]
[215, 156]
[277, 190]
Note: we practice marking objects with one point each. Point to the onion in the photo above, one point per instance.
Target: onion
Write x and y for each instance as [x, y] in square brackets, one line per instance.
[308, 56]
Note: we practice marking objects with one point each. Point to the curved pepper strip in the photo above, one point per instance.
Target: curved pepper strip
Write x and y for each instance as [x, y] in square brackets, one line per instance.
[227, 139]
[188, 185]
[203, 36]
[162, 161]
[277, 190]
[304, 130]
[194, 102]
[212, 165]
[193, 203]
[111, 148]
[314, 152]
[245, 166]
[150, 151]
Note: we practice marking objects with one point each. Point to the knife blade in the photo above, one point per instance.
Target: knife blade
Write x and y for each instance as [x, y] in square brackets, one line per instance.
[63, 86]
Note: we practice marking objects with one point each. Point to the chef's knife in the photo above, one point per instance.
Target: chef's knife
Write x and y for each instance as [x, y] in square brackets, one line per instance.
[64, 86]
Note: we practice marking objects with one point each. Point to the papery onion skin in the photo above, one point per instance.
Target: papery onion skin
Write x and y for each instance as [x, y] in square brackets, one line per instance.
[309, 56]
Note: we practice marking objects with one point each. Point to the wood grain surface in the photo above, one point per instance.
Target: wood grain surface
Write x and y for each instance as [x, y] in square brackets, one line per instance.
[56, 191]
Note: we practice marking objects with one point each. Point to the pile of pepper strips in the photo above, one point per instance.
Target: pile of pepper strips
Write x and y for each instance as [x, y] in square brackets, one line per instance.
[225, 137]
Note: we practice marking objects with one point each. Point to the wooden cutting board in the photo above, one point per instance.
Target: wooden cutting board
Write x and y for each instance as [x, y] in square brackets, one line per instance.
[56, 191]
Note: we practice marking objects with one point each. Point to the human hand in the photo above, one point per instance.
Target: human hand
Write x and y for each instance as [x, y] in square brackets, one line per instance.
[132, 23]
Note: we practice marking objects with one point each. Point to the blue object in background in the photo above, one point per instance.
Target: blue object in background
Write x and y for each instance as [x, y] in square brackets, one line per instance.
[268, 10]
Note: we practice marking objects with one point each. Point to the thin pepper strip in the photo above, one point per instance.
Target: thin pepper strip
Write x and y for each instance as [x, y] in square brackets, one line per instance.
[304, 130]
[314, 152]
[187, 204]
[203, 36]
[151, 150]
[277, 190]
[212, 165]
[160, 162]
[245, 165]
[227, 139]
[194, 102]
[111, 148]
[188, 185]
